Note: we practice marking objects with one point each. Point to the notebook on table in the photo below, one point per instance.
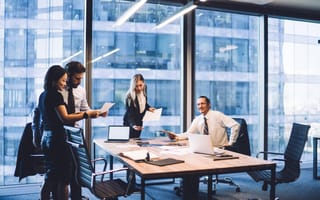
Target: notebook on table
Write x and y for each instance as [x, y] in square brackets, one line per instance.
[224, 157]
[118, 133]
[165, 161]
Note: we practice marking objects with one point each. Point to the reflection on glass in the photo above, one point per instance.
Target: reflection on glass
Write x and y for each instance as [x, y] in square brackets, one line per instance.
[227, 69]
[154, 54]
[35, 35]
[293, 80]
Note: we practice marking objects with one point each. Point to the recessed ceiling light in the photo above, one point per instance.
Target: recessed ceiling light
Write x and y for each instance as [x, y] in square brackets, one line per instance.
[260, 2]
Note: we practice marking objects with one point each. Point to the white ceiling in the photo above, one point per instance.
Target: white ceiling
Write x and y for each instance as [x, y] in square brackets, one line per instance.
[304, 9]
[302, 4]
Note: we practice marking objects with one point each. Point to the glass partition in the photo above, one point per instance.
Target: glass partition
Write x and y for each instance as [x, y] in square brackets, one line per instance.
[293, 80]
[227, 67]
[135, 47]
[34, 35]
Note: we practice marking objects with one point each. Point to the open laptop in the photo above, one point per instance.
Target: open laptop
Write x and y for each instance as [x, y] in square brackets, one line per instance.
[199, 143]
[118, 133]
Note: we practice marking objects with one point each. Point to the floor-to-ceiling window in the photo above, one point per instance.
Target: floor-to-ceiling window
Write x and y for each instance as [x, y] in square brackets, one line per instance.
[227, 66]
[293, 79]
[34, 35]
[37, 34]
[120, 51]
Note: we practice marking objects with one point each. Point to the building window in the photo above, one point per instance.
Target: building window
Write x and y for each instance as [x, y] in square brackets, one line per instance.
[293, 78]
[226, 66]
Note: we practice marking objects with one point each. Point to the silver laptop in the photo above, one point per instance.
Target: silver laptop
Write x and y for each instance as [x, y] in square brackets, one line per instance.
[118, 133]
[199, 143]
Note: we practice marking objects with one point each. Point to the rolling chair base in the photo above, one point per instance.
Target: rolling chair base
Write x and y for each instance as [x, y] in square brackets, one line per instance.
[226, 180]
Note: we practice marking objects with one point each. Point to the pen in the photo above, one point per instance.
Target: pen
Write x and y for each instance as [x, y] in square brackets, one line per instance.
[148, 157]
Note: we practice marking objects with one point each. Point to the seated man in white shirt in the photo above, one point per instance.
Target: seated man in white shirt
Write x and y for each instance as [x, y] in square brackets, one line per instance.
[213, 123]
[217, 124]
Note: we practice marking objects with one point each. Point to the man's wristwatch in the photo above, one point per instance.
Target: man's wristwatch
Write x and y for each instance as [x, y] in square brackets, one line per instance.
[85, 115]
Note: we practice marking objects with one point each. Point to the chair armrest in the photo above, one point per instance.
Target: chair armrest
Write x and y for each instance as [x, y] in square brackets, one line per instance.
[74, 144]
[130, 181]
[102, 173]
[36, 155]
[268, 152]
[110, 171]
[98, 159]
[278, 159]
[105, 163]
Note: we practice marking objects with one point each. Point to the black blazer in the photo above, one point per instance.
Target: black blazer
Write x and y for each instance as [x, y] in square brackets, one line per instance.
[133, 117]
[25, 164]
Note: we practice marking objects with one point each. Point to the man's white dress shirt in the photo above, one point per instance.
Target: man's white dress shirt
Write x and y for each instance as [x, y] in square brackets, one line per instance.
[217, 126]
[80, 100]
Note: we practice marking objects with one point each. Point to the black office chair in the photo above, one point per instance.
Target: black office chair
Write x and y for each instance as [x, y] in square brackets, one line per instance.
[87, 176]
[242, 145]
[291, 158]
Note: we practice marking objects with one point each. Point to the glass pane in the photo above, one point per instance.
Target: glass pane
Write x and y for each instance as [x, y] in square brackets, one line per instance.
[227, 66]
[293, 80]
[119, 52]
[34, 35]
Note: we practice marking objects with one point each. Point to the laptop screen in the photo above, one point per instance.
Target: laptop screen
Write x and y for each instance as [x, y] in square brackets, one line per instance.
[199, 143]
[118, 133]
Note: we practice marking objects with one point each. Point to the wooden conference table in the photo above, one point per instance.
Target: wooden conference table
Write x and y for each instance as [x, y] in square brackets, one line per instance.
[194, 165]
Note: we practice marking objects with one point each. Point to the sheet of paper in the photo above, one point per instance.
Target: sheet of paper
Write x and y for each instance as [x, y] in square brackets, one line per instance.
[106, 106]
[125, 146]
[169, 147]
[177, 151]
[138, 155]
[153, 116]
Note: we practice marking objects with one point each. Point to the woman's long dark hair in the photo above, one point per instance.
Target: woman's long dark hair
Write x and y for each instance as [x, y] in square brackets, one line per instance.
[54, 73]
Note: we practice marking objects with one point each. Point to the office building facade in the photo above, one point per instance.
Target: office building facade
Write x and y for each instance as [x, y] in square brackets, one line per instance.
[228, 66]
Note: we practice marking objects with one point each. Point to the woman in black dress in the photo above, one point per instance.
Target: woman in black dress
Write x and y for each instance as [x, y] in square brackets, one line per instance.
[54, 115]
[136, 105]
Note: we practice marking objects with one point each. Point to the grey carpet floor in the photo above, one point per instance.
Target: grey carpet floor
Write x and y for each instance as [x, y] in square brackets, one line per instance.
[305, 188]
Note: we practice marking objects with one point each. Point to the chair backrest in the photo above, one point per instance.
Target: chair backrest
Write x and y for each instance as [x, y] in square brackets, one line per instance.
[84, 168]
[297, 141]
[242, 144]
[293, 152]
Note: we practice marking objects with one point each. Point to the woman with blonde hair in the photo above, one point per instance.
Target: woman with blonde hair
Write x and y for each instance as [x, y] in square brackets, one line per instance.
[136, 105]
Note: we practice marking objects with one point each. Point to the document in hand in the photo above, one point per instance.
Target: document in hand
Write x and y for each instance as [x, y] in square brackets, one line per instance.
[138, 155]
[106, 106]
[169, 133]
[153, 116]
